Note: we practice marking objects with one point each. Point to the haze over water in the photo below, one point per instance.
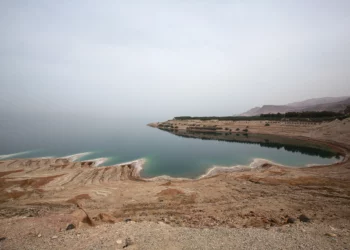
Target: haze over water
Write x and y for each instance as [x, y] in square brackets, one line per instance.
[87, 76]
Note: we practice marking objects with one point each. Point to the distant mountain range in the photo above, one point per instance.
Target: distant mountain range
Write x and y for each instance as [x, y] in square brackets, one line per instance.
[335, 104]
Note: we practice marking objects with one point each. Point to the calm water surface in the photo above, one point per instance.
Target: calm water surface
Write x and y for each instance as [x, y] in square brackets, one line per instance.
[130, 139]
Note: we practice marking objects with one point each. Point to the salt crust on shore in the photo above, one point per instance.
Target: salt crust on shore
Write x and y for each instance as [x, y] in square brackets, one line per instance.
[15, 154]
[76, 156]
[216, 169]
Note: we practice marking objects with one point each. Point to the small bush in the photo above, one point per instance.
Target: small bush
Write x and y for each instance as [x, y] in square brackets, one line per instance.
[237, 129]
[267, 124]
[245, 130]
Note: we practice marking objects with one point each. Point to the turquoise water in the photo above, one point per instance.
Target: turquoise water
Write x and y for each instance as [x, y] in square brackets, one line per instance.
[166, 153]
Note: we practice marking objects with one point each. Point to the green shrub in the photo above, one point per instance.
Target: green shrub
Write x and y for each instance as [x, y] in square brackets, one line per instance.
[267, 124]
[293, 116]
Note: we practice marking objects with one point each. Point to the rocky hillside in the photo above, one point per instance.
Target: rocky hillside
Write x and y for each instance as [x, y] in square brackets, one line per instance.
[336, 104]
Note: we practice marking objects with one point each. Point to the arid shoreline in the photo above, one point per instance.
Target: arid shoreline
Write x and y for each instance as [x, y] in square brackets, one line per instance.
[180, 125]
[43, 196]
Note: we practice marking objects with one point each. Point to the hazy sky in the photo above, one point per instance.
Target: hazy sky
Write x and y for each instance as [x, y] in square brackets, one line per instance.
[168, 58]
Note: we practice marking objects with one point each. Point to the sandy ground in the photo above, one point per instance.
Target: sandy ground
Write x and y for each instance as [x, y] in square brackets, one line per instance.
[149, 235]
[39, 198]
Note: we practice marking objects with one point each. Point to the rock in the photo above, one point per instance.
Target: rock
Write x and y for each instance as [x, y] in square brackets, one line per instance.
[331, 234]
[291, 220]
[108, 218]
[54, 237]
[70, 227]
[39, 235]
[2, 238]
[128, 242]
[119, 242]
[273, 221]
[304, 218]
[78, 216]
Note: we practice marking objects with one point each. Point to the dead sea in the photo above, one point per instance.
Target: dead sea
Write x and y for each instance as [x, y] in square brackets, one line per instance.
[178, 155]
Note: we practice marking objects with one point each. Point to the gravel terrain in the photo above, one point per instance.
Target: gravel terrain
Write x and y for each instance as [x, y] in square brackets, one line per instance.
[148, 235]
